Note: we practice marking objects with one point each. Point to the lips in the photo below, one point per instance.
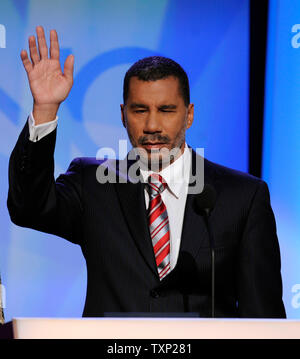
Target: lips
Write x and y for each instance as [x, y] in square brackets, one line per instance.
[153, 145]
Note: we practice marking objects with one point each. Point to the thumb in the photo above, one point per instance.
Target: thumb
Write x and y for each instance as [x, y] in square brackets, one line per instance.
[69, 67]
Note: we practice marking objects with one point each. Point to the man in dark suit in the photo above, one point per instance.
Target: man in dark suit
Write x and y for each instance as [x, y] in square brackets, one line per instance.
[145, 243]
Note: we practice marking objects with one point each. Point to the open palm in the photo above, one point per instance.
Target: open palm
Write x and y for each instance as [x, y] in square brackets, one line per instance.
[48, 84]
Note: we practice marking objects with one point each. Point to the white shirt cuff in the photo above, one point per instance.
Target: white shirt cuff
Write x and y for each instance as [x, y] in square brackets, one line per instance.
[37, 132]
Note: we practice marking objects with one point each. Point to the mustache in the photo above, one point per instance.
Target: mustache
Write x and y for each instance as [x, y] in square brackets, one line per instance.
[154, 138]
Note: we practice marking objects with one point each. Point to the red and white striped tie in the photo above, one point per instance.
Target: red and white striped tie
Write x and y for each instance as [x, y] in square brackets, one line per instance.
[159, 224]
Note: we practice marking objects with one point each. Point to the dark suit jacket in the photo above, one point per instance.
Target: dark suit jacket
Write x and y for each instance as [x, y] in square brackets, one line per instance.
[109, 222]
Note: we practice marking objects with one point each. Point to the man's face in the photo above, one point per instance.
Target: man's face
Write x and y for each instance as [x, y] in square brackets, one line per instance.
[156, 118]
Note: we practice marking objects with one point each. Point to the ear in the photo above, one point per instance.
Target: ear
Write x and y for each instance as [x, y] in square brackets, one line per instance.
[190, 115]
[123, 115]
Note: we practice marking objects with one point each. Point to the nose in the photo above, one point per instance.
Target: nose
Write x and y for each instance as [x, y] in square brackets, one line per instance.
[152, 123]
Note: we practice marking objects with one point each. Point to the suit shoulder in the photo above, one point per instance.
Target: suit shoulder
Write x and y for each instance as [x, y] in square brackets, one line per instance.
[86, 165]
[86, 162]
[230, 175]
[237, 187]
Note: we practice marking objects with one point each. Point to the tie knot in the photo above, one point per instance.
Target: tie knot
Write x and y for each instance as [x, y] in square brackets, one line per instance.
[156, 184]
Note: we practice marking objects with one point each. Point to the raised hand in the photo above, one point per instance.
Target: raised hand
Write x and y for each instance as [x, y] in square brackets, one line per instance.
[48, 84]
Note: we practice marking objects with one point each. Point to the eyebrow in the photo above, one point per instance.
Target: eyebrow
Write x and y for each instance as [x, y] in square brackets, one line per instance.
[138, 105]
[168, 107]
[162, 107]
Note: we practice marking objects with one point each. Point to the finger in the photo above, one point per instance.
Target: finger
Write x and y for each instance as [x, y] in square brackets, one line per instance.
[43, 49]
[35, 58]
[54, 45]
[26, 62]
[69, 67]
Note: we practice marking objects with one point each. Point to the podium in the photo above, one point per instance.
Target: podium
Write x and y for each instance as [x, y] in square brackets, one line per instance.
[154, 328]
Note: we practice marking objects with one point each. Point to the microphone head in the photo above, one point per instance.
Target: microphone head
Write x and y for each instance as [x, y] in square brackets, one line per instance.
[206, 200]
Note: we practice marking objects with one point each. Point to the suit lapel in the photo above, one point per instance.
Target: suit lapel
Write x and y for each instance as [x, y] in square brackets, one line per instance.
[194, 233]
[132, 201]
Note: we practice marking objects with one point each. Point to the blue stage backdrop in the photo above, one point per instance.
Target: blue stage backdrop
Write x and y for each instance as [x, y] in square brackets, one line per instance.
[281, 159]
[45, 275]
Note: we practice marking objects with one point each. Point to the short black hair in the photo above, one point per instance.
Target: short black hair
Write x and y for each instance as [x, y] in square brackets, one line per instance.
[154, 68]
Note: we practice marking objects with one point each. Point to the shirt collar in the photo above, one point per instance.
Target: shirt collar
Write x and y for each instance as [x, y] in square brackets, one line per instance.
[177, 174]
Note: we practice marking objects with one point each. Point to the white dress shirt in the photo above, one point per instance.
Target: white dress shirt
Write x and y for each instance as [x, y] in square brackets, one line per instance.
[174, 196]
[37, 132]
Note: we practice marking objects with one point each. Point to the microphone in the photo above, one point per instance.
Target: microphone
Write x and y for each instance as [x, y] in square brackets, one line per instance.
[205, 203]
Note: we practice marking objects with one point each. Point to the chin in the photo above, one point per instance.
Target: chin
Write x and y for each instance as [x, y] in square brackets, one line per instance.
[156, 160]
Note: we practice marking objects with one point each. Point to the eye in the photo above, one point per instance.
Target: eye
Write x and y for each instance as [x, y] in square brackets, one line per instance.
[140, 111]
[165, 110]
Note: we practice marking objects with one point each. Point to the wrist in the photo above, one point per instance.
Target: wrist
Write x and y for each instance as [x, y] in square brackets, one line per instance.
[43, 113]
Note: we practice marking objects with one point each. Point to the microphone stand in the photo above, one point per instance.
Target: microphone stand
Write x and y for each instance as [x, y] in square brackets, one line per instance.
[205, 203]
[212, 253]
